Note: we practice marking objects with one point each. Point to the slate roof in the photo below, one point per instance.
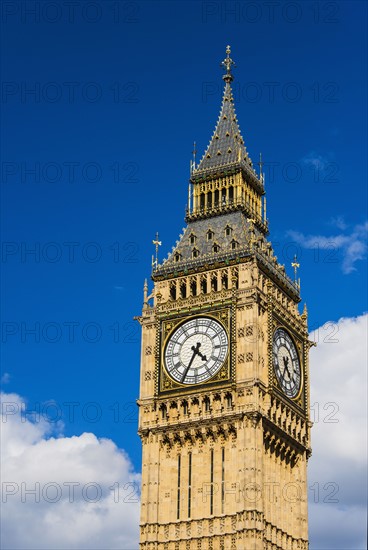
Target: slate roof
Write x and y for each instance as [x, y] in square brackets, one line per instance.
[226, 145]
[197, 231]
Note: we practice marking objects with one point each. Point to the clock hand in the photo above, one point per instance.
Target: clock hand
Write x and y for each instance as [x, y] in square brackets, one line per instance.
[196, 351]
[203, 357]
[286, 362]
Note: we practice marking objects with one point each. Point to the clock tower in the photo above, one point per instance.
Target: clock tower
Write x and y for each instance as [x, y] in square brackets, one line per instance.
[224, 380]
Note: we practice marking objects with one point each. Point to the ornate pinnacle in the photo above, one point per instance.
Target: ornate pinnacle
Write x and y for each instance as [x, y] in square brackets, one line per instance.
[295, 265]
[157, 243]
[145, 293]
[305, 312]
[226, 64]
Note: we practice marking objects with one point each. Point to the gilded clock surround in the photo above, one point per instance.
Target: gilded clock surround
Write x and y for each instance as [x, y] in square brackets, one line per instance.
[212, 451]
[167, 383]
[299, 350]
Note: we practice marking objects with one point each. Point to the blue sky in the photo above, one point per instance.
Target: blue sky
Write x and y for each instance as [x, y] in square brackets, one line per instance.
[121, 91]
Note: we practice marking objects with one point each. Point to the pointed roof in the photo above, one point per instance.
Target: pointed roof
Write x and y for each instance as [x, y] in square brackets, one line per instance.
[226, 147]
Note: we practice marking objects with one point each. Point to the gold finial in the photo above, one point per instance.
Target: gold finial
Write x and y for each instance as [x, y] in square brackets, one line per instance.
[226, 64]
[193, 161]
[157, 243]
[260, 164]
[295, 265]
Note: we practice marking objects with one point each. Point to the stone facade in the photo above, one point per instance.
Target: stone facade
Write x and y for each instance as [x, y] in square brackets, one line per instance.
[224, 462]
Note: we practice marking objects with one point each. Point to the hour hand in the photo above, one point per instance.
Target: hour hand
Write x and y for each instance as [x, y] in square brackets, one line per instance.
[196, 351]
[203, 357]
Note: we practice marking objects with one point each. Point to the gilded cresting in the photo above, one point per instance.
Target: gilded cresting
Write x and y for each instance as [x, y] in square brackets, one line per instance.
[224, 463]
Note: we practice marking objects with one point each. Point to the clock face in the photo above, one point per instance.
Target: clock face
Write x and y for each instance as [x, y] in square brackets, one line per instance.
[286, 363]
[196, 350]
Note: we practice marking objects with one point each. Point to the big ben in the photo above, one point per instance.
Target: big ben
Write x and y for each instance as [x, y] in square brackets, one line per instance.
[224, 379]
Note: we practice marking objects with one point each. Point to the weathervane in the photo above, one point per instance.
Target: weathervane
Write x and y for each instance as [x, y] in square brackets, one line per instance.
[295, 265]
[157, 243]
[226, 64]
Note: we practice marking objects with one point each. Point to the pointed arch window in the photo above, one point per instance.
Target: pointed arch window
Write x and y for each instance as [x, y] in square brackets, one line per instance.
[201, 200]
[225, 281]
[214, 285]
[207, 404]
[204, 285]
[163, 412]
[229, 400]
[193, 287]
[173, 291]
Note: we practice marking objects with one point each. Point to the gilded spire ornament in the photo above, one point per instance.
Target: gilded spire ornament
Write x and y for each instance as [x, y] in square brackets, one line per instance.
[157, 243]
[227, 64]
[296, 266]
[260, 164]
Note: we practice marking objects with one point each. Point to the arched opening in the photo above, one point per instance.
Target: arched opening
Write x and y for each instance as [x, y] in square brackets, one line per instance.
[207, 405]
[204, 285]
[214, 283]
[217, 198]
[173, 291]
[193, 287]
[209, 200]
[163, 411]
[185, 407]
[201, 203]
[225, 281]
[183, 290]
[223, 196]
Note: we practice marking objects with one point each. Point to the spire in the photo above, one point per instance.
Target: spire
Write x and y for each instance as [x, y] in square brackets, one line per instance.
[226, 147]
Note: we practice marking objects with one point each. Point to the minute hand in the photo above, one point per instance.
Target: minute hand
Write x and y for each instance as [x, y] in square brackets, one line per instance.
[195, 352]
[286, 362]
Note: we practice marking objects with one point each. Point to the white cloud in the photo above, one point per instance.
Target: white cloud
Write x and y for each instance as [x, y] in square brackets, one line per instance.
[339, 222]
[317, 161]
[353, 245]
[338, 465]
[90, 515]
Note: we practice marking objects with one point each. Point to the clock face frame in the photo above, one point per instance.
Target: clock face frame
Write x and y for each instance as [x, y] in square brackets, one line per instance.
[286, 363]
[196, 350]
